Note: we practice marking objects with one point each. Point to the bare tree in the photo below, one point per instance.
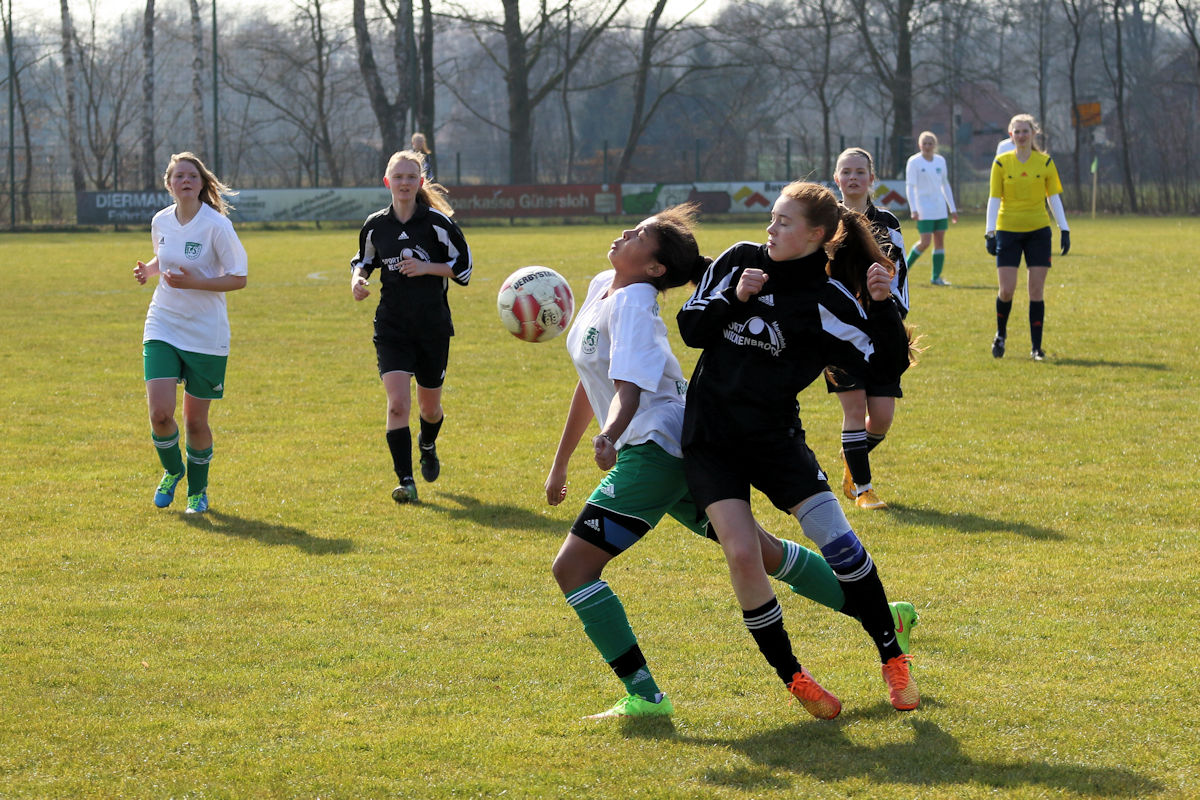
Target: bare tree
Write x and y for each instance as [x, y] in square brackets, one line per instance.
[425, 103]
[18, 98]
[71, 78]
[891, 21]
[655, 55]
[198, 80]
[1077, 13]
[299, 61]
[528, 81]
[390, 114]
[1116, 74]
[149, 165]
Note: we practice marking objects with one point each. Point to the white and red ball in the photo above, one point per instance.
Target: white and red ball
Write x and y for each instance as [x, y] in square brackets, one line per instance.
[535, 304]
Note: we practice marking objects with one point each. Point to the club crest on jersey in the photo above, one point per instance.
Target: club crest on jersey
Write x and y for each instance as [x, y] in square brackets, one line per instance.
[192, 250]
[756, 332]
[589, 341]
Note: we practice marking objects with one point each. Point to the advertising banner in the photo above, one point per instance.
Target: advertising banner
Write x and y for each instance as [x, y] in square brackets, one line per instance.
[575, 200]
[643, 199]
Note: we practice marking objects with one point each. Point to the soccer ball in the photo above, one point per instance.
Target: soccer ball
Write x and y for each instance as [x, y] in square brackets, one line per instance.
[535, 304]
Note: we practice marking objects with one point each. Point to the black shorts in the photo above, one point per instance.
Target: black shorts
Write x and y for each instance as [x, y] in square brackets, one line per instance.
[1034, 244]
[838, 380]
[779, 464]
[424, 358]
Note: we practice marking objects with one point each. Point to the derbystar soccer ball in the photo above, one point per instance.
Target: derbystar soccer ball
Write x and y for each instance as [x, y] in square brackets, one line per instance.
[535, 304]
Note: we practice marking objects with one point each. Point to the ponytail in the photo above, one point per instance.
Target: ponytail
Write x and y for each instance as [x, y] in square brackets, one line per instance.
[852, 251]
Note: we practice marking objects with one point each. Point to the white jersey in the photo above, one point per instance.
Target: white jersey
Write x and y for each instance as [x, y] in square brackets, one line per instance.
[623, 337]
[927, 185]
[1005, 146]
[194, 320]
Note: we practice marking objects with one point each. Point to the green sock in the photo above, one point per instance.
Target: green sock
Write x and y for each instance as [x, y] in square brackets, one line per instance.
[197, 471]
[939, 258]
[605, 623]
[168, 452]
[913, 255]
[809, 575]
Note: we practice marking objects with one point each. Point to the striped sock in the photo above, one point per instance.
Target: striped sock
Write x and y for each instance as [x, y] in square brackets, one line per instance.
[197, 469]
[169, 454]
[765, 624]
[809, 575]
[605, 623]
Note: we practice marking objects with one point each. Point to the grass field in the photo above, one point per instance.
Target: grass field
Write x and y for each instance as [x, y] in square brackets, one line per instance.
[309, 638]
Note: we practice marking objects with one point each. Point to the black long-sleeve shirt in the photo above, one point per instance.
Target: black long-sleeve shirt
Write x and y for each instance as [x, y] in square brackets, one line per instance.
[413, 306]
[760, 354]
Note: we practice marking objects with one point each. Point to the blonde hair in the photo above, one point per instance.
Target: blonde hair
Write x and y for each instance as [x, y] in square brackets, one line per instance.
[1033, 126]
[930, 134]
[431, 194]
[212, 192]
[423, 146]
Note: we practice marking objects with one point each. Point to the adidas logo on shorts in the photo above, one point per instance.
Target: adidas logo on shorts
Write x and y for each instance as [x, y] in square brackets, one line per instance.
[594, 524]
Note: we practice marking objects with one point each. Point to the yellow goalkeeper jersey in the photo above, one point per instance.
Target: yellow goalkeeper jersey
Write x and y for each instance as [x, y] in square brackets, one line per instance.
[1023, 188]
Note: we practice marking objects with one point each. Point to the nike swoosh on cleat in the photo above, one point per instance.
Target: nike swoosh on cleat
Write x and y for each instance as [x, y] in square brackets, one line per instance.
[900, 626]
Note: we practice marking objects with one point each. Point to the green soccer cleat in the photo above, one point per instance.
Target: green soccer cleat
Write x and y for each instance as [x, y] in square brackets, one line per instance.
[406, 492]
[165, 492]
[905, 618]
[632, 705]
[197, 503]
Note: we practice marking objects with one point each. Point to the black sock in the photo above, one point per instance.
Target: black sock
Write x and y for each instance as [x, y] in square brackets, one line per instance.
[429, 430]
[399, 441]
[855, 449]
[1037, 315]
[766, 626]
[1003, 309]
[866, 596]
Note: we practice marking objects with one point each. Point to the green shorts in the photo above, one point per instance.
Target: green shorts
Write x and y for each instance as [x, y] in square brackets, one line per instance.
[931, 225]
[202, 375]
[646, 484]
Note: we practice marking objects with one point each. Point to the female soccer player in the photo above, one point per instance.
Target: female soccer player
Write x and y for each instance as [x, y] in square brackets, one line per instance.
[1023, 181]
[631, 382]
[418, 250]
[930, 201]
[867, 408]
[198, 258]
[769, 320]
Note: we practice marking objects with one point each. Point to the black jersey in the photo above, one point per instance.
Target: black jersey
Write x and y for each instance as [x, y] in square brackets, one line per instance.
[417, 306]
[886, 229]
[760, 354]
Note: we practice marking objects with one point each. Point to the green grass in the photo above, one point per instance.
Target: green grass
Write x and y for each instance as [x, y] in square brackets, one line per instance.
[308, 638]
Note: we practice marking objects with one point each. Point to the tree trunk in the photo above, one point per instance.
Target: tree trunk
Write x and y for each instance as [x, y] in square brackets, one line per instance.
[1075, 18]
[198, 82]
[520, 111]
[71, 76]
[426, 107]
[901, 87]
[390, 116]
[149, 164]
[1126, 166]
[637, 125]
